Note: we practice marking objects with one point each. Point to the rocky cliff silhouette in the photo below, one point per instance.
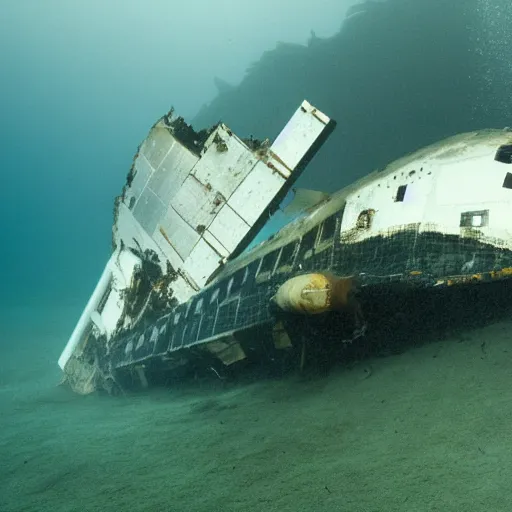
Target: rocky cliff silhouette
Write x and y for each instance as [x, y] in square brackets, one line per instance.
[397, 76]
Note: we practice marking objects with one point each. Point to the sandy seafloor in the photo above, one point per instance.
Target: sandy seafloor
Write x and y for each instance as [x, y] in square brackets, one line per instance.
[426, 430]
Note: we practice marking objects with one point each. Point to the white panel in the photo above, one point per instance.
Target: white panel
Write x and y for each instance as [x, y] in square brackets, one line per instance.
[299, 134]
[196, 203]
[182, 236]
[201, 263]
[217, 246]
[142, 173]
[229, 228]
[225, 170]
[157, 145]
[171, 254]
[254, 194]
[445, 216]
[416, 198]
[500, 215]
[128, 229]
[473, 181]
[171, 174]
[149, 210]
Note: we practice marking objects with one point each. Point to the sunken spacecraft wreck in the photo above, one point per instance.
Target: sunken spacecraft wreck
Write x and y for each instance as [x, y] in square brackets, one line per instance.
[183, 288]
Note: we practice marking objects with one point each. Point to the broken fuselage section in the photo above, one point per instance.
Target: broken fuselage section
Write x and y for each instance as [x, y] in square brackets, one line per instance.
[180, 291]
[191, 202]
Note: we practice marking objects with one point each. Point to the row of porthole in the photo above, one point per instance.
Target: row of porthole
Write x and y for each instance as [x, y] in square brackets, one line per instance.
[330, 223]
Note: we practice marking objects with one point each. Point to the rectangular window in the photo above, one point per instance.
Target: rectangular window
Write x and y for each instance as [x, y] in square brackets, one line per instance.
[307, 245]
[236, 281]
[400, 193]
[287, 257]
[504, 154]
[287, 254]
[474, 219]
[268, 262]
[507, 182]
[328, 228]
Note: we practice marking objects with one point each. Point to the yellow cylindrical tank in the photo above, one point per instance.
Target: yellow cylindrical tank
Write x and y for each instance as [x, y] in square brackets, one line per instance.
[315, 293]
